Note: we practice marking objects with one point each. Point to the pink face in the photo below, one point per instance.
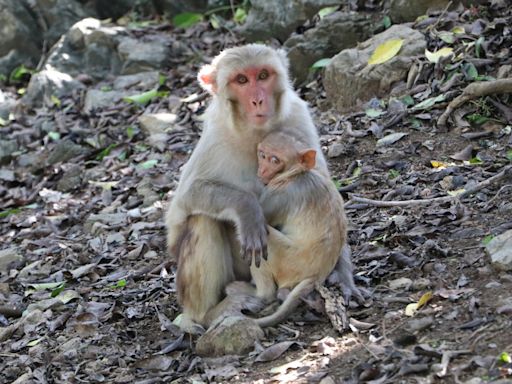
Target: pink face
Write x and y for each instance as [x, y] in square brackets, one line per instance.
[253, 88]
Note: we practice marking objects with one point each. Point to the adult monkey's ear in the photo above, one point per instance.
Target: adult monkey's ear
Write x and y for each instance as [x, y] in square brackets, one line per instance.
[307, 158]
[206, 78]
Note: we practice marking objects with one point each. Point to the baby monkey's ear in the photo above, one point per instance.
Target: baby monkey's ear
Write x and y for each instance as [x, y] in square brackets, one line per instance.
[307, 158]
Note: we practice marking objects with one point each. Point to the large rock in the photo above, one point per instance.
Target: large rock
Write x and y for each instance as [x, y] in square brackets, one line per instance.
[59, 16]
[349, 80]
[139, 55]
[279, 19]
[235, 335]
[401, 11]
[21, 40]
[500, 250]
[48, 83]
[88, 47]
[335, 32]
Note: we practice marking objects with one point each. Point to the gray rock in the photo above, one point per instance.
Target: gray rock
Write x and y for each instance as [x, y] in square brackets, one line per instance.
[21, 38]
[7, 104]
[235, 335]
[154, 123]
[7, 148]
[49, 82]
[349, 80]
[142, 81]
[59, 16]
[500, 250]
[139, 55]
[65, 150]
[335, 32]
[99, 99]
[401, 11]
[109, 219]
[88, 47]
[71, 179]
[278, 19]
[8, 256]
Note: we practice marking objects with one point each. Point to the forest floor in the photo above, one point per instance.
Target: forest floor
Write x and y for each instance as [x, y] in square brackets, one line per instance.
[91, 272]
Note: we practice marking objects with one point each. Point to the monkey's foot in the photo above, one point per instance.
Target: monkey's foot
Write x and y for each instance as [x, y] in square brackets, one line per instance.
[187, 325]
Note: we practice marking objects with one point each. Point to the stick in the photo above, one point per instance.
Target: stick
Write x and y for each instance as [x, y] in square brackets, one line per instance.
[474, 90]
[506, 172]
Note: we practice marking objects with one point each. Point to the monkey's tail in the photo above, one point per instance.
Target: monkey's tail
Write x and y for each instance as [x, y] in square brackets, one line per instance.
[289, 304]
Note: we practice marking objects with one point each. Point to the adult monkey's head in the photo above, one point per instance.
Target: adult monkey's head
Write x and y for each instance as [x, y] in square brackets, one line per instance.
[250, 84]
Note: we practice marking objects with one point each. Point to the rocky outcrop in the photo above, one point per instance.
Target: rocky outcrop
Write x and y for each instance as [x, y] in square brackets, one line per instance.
[349, 80]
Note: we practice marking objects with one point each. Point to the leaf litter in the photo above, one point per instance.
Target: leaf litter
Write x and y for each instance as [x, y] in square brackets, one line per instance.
[105, 246]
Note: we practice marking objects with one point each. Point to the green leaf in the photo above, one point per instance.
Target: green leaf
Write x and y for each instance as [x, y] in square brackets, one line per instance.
[471, 71]
[372, 112]
[55, 100]
[105, 152]
[19, 73]
[55, 136]
[130, 132]
[393, 174]
[148, 164]
[407, 100]
[120, 284]
[3, 78]
[477, 118]
[337, 183]
[240, 15]
[215, 21]
[386, 51]
[505, 358]
[447, 37]
[386, 22]
[58, 290]
[186, 19]
[3, 122]
[161, 79]
[509, 155]
[327, 11]
[8, 212]
[34, 342]
[145, 97]
[478, 46]
[487, 239]
[321, 63]
[21, 91]
[475, 160]
[426, 104]
[105, 88]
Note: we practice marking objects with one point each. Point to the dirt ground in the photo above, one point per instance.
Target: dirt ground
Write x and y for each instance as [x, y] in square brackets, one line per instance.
[107, 318]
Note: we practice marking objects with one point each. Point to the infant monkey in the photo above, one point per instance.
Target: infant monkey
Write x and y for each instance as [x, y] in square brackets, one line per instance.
[306, 222]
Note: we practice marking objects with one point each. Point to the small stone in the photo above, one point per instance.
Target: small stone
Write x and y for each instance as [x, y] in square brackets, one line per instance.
[235, 335]
[401, 284]
[500, 250]
[8, 256]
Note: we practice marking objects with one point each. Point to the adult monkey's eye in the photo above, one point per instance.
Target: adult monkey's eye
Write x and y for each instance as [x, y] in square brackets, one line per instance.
[261, 154]
[263, 75]
[275, 160]
[241, 79]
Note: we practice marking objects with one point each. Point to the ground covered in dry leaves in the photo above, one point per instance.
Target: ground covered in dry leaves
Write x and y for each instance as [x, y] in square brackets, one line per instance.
[82, 201]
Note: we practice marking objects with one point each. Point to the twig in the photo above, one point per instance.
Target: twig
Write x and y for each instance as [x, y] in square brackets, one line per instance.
[506, 172]
[474, 90]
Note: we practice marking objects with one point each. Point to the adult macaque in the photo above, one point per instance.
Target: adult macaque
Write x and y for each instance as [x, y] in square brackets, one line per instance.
[215, 220]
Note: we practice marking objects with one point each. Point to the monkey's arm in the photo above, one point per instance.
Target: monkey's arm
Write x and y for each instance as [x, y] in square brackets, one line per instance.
[227, 202]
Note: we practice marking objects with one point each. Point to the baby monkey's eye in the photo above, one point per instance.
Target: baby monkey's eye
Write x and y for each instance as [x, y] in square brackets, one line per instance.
[261, 154]
[241, 79]
[275, 160]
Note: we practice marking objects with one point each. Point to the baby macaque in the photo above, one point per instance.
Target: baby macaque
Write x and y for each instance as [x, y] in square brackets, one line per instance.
[306, 222]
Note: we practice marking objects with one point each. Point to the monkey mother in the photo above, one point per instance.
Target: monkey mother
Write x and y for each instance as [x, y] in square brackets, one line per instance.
[215, 222]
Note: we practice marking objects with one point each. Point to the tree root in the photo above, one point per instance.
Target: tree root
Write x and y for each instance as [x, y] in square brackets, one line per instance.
[473, 91]
[505, 173]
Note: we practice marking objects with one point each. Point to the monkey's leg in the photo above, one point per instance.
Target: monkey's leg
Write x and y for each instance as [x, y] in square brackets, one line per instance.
[264, 276]
[204, 266]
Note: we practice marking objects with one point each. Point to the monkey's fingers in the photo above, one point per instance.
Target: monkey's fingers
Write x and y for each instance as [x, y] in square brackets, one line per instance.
[256, 256]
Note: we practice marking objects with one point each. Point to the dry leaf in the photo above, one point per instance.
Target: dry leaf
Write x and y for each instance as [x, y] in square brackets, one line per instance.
[434, 57]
